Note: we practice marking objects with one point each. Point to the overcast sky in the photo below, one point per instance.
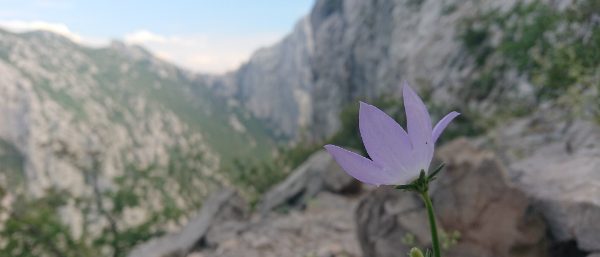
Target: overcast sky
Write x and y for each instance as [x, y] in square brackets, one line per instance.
[202, 35]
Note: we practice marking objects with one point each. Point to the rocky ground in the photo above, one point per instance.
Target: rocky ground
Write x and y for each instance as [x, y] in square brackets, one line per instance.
[325, 229]
[309, 214]
[485, 207]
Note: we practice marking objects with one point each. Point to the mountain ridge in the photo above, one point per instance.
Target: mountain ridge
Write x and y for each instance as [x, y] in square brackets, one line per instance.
[106, 142]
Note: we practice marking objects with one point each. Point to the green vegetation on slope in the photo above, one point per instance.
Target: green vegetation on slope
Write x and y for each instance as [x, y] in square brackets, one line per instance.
[11, 164]
[557, 51]
[34, 228]
[159, 195]
[162, 196]
[193, 103]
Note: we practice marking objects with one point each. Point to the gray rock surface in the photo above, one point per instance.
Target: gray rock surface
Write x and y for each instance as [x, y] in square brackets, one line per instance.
[96, 123]
[351, 49]
[323, 229]
[318, 173]
[219, 208]
[275, 82]
[471, 196]
[55, 111]
[557, 165]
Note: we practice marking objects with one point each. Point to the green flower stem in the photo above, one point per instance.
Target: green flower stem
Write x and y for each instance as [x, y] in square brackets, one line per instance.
[434, 234]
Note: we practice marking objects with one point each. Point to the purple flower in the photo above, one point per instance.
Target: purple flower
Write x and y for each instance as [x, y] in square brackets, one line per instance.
[397, 157]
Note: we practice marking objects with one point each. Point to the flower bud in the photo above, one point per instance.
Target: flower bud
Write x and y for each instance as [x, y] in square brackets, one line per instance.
[415, 252]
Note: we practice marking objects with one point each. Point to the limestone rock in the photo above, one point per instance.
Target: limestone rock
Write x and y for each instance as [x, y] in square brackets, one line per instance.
[347, 49]
[83, 121]
[221, 207]
[472, 196]
[323, 229]
[275, 83]
[562, 177]
[318, 173]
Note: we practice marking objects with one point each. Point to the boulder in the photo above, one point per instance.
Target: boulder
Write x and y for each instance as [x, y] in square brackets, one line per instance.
[472, 196]
[323, 229]
[220, 208]
[563, 178]
[318, 173]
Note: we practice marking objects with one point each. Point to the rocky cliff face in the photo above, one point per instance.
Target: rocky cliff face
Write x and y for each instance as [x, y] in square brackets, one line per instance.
[275, 84]
[59, 99]
[55, 113]
[470, 55]
[345, 50]
[120, 136]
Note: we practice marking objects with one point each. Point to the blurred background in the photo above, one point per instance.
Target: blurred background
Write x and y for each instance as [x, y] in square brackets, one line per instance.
[195, 128]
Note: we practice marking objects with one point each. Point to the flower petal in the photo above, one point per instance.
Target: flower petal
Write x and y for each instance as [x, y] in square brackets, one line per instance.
[359, 167]
[385, 140]
[442, 124]
[419, 127]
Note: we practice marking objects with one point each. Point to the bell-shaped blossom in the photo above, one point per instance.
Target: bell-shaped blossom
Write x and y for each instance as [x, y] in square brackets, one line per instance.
[397, 156]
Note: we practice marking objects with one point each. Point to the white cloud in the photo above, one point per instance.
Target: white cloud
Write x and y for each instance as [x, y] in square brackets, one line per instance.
[215, 54]
[19, 26]
[203, 53]
[144, 36]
